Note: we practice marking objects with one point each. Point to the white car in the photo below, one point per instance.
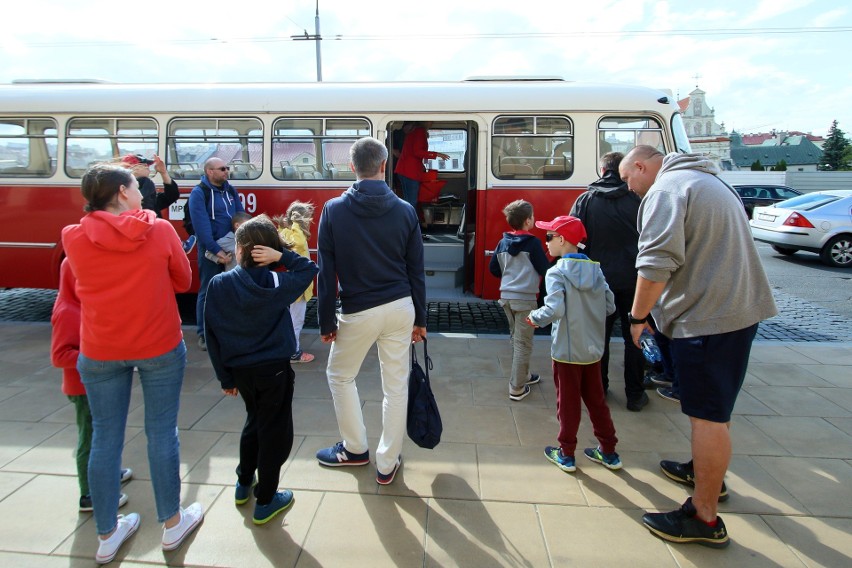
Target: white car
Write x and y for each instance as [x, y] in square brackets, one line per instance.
[819, 222]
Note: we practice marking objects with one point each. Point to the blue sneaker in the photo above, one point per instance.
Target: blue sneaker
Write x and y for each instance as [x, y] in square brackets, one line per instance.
[534, 379]
[189, 244]
[243, 492]
[560, 460]
[609, 461]
[387, 478]
[281, 501]
[337, 456]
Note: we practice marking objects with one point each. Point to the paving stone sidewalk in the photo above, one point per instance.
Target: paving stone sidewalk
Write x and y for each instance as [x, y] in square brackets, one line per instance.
[485, 496]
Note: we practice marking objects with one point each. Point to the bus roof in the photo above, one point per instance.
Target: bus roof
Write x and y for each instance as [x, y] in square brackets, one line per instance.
[431, 97]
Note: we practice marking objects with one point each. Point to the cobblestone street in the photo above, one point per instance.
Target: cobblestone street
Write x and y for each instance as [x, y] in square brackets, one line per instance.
[798, 320]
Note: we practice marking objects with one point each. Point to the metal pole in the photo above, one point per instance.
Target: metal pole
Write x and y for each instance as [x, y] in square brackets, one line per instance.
[318, 39]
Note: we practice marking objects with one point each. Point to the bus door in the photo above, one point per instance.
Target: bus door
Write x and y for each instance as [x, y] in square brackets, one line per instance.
[446, 203]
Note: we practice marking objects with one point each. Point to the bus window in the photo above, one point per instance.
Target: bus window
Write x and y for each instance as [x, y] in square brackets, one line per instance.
[93, 140]
[315, 148]
[236, 141]
[622, 133]
[27, 147]
[532, 147]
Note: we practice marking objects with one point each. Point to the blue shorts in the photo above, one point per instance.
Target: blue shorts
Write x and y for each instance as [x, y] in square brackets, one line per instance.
[711, 370]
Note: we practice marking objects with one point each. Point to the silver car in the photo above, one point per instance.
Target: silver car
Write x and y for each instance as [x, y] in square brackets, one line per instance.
[819, 222]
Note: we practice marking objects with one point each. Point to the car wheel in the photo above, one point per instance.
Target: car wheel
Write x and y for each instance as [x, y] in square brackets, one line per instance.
[838, 251]
[784, 250]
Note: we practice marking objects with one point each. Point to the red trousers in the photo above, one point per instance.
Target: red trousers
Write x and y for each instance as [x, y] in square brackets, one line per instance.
[573, 383]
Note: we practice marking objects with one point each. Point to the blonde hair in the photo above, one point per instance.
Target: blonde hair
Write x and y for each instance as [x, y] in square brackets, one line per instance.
[300, 213]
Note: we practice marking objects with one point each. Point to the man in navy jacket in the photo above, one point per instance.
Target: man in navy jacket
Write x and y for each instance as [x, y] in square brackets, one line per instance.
[370, 253]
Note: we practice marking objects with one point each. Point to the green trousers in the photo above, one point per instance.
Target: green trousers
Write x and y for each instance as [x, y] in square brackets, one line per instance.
[84, 440]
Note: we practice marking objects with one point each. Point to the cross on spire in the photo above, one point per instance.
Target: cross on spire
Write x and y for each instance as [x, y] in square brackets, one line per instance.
[697, 76]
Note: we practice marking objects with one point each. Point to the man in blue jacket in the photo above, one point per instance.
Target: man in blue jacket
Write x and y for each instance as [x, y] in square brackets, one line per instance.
[212, 204]
[370, 253]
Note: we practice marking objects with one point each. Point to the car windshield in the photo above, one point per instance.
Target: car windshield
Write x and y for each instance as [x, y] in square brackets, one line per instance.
[808, 201]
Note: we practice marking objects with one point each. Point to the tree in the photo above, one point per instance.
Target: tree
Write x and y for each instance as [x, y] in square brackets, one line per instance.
[756, 166]
[781, 166]
[833, 150]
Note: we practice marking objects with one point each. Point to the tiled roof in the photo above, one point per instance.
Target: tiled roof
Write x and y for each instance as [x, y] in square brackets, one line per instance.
[804, 153]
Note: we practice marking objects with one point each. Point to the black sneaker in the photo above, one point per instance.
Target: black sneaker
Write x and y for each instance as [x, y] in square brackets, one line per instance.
[658, 379]
[637, 403]
[685, 473]
[683, 526]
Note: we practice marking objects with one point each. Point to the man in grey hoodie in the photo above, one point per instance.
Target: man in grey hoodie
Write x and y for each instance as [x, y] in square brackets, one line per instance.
[701, 278]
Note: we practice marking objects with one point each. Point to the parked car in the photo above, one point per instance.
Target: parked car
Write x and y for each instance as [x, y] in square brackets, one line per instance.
[819, 222]
[763, 195]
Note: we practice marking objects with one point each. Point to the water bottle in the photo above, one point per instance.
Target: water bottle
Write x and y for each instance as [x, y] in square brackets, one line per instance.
[650, 349]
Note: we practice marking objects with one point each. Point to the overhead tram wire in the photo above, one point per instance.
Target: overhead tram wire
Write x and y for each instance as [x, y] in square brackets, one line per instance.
[470, 36]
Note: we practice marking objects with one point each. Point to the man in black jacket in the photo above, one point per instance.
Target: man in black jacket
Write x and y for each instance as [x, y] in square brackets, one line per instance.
[609, 210]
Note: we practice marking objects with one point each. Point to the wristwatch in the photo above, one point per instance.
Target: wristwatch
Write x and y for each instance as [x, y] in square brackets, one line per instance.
[634, 320]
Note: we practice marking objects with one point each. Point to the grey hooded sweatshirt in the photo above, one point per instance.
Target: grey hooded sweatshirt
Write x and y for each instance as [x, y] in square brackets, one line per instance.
[577, 303]
[695, 237]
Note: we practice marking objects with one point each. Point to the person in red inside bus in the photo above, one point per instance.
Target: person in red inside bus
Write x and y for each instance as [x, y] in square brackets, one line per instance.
[151, 198]
[409, 166]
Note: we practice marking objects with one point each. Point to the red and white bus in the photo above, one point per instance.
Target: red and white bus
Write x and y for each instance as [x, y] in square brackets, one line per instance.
[538, 140]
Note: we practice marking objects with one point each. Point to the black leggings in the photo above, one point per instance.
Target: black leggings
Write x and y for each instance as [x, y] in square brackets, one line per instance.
[267, 436]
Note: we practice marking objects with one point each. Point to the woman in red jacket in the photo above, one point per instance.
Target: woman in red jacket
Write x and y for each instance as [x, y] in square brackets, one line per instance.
[409, 166]
[128, 266]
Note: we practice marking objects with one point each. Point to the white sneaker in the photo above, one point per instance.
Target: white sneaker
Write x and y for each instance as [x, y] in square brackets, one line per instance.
[124, 529]
[190, 518]
[126, 474]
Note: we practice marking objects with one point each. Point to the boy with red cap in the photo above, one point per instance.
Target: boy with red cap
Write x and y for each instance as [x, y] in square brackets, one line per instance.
[577, 303]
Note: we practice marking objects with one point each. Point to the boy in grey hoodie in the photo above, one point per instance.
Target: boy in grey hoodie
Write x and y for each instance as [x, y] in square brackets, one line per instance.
[519, 262]
[577, 303]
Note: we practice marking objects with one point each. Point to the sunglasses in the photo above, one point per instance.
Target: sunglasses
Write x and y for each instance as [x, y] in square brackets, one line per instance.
[549, 237]
[222, 169]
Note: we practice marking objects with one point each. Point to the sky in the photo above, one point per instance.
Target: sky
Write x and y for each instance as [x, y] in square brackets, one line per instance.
[764, 64]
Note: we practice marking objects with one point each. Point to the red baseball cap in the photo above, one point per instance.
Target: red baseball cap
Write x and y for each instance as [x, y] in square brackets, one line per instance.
[570, 228]
[132, 160]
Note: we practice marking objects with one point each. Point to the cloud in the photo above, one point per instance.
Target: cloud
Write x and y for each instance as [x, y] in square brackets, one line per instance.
[770, 9]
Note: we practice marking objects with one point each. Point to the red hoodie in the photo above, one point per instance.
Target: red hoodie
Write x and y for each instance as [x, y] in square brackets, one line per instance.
[65, 338]
[128, 268]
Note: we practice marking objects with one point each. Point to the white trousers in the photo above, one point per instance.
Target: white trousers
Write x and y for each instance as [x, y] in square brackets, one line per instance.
[389, 326]
[297, 314]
